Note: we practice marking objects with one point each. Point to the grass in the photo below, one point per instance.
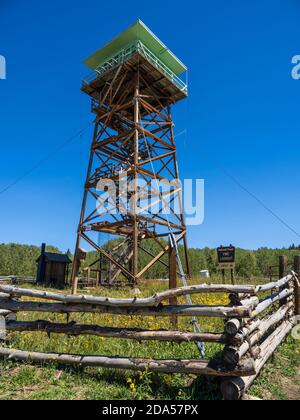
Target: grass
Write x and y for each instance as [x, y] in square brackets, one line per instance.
[24, 381]
[280, 379]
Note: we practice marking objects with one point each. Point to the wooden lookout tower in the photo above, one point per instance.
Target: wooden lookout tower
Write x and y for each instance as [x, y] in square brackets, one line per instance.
[132, 193]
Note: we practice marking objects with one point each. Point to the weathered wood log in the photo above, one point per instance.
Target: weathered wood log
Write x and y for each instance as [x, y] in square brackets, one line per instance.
[262, 323]
[252, 302]
[73, 329]
[277, 285]
[197, 367]
[4, 312]
[234, 388]
[232, 354]
[233, 326]
[155, 300]
[239, 299]
[168, 310]
[269, 301]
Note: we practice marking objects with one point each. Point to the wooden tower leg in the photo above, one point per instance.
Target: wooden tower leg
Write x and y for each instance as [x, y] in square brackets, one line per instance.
[76, 261]
[135, 192]
[173, 281]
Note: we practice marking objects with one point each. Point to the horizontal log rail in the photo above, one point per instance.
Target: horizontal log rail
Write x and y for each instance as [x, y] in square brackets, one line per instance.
[196, 367]
[161, 311]
[276, 285]
[250, 308]
[17, 279]
[269, 301]
[73, 329]
[269, 320]
[235, 326]
[155, 300]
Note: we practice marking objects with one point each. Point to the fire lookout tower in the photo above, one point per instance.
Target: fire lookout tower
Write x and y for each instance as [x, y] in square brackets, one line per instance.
[134, 83]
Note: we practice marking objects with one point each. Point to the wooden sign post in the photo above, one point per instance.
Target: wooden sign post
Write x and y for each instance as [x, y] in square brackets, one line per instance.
[226, 260]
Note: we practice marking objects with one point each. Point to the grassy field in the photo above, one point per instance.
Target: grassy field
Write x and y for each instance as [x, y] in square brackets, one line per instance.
[280, 379]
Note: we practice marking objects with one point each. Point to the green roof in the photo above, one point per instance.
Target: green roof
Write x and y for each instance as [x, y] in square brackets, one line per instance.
[137, 32]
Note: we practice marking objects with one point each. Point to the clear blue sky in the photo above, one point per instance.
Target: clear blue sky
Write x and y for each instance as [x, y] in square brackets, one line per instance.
[242, 113]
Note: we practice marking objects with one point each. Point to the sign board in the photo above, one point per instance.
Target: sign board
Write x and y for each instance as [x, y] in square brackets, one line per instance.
[226, 257]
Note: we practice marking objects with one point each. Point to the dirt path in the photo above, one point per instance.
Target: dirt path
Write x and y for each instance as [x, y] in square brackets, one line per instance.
[291, 387]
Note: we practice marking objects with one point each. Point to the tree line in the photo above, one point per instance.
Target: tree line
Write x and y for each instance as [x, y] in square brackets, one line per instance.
[20, 260]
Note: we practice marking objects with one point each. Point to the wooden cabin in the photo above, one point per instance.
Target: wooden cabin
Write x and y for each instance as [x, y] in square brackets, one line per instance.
[53, 269]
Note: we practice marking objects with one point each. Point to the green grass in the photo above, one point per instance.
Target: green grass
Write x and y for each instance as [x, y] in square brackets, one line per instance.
[280, 379]
[24, 381]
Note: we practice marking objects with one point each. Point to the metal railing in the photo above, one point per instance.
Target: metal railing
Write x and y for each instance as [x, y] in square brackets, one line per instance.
[128, 52]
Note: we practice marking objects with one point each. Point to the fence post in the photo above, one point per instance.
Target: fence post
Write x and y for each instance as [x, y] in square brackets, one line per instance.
[297, 287]
[283, 264]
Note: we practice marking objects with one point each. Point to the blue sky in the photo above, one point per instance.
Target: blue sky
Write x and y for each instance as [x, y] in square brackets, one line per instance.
[242, 115]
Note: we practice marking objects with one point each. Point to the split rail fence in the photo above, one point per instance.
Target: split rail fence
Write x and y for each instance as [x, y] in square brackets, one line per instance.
[256, 322]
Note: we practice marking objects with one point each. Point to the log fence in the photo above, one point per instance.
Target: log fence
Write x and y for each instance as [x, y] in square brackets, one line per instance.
[256, 321]
[17, 279]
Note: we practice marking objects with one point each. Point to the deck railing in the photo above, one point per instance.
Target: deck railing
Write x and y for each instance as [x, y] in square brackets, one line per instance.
[123, 55]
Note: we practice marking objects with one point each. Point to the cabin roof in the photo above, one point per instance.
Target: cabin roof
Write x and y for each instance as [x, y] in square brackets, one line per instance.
[137, 32]
[57, 258]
